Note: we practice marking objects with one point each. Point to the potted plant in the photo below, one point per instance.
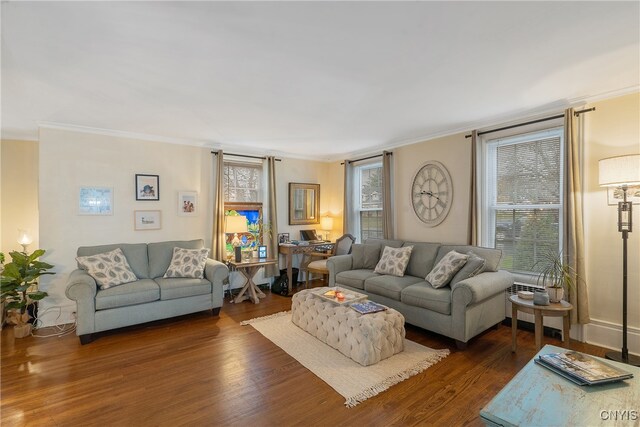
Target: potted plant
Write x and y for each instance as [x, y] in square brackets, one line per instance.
[555, 275]
[18, 287]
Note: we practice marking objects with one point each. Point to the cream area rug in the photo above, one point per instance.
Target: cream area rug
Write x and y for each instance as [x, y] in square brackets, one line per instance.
[356, 383]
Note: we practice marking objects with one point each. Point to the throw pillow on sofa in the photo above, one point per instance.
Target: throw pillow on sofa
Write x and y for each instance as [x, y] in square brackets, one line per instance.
[108, 268]
[473, 267]
[446, 268]
[187, 263]
[394, 261]
[365, 256]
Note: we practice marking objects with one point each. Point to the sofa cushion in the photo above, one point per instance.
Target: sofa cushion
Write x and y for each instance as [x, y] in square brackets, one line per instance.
[425, 296]
[491, 255]
[187, 263]
[389, 286]
[132, 293]
[172, 288]
[365, 256]
[136, 254]
[394, 261]
[423, 258]
[160, 254]
[446, 268]
[354, 278]
[108, 269]
[473, 267]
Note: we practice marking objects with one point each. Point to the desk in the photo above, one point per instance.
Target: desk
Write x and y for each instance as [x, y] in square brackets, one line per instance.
[248, 269]
[538, 397]
[555, 309]
[289, 250]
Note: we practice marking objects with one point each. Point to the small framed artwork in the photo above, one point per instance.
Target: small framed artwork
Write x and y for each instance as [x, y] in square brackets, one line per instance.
[187, 203]
[283, 238]
[262, 252]
[95, 201]
[147, 220]
[147, 187]
[614, 195]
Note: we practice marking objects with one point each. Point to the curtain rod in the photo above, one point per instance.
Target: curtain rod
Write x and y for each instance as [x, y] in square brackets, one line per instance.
[388, 153]
[244, 155]
[576, 113]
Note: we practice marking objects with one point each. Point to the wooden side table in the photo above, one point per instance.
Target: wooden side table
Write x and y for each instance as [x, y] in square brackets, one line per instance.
[249, 269]
[557, 309]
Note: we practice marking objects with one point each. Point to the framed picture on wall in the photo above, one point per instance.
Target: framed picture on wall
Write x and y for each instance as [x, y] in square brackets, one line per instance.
[614, 195]
[147, 220]
[147, 187]
[187, 203]
[95, 201]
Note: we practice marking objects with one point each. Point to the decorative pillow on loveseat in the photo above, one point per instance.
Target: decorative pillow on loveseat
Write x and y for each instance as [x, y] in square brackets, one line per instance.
[394, 261]
[187, 263]
[108, 268]
[473, 267]
[446, 268]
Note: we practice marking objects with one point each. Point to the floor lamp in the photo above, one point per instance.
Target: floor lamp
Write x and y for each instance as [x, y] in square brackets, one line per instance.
[622, 172]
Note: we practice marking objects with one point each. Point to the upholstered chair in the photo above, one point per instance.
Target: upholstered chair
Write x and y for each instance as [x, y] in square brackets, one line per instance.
[341, 247]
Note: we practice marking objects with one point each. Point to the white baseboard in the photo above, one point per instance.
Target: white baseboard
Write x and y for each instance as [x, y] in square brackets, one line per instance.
[54, 315]
[609, 335]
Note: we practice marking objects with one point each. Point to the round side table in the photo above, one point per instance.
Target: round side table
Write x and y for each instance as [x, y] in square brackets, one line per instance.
[555, 309]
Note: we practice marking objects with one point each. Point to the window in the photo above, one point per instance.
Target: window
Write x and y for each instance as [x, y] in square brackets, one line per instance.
[523, 197]
[242, 182]
[369, 216]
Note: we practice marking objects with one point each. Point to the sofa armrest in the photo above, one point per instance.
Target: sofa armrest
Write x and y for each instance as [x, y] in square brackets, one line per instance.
[215, 271]
[82, 289]
[336, 264]
[481, 287]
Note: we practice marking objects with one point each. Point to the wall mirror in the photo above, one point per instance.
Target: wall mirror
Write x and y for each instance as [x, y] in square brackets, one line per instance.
[304, 203]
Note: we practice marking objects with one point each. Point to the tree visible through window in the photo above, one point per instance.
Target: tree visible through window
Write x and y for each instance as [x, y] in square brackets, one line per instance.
[242, 182]
[370, 216]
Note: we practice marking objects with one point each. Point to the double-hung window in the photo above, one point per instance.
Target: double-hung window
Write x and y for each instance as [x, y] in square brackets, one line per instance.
[368, 218]
[523, 197]
[243, 196]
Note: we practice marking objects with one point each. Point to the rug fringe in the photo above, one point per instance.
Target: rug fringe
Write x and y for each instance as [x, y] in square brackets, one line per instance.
[258, 319]
[433, 358]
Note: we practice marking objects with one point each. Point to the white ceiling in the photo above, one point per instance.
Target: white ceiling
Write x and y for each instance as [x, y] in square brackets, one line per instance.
[324, 80]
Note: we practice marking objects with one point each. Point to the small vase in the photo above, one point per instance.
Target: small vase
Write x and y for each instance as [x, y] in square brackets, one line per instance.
[540, 298]
[555, 294]
[21, 331]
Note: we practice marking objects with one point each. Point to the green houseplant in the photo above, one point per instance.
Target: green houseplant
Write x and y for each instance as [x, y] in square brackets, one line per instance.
[18, 287]
[555, 275]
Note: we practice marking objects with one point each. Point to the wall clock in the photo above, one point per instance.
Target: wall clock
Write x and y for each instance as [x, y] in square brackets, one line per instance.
[432, 193]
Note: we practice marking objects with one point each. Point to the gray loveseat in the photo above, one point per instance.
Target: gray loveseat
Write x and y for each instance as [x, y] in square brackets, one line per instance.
[461, 311]
[151, 297]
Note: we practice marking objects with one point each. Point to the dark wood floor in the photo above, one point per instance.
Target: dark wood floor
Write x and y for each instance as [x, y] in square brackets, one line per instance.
[204, 370]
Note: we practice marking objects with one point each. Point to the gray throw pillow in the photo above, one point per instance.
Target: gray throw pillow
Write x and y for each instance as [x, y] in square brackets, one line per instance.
[473, 267]
[394, 261]
[446, 268]
[187, 263]
[108, 269]
[365, 256]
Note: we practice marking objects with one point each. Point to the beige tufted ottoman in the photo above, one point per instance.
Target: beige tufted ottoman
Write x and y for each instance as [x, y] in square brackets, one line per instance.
[365, 338]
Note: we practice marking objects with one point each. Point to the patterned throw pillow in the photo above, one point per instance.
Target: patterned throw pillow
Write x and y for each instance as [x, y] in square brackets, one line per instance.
[394, 261]
[187, 263]
[444, 271]
[473, 267]
[108, 269]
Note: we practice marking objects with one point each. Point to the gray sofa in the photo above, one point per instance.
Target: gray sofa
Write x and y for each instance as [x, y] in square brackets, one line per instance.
[461, 311]
[151, 297]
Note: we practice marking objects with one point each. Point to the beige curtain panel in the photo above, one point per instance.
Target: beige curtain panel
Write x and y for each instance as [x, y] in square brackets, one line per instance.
[218, 241]
[472, 231]
[272, 239]
[387, 211]
[347, 207]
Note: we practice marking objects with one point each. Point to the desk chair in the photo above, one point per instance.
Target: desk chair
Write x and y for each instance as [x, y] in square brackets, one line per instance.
[342, 247]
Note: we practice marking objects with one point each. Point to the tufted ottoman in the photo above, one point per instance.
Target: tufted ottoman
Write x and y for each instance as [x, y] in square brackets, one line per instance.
[365, 338]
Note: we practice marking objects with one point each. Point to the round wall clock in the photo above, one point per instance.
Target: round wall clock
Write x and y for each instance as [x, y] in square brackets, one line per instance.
[432, 193]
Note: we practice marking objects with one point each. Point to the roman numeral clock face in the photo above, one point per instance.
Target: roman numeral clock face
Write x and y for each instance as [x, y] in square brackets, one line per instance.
[432, 193]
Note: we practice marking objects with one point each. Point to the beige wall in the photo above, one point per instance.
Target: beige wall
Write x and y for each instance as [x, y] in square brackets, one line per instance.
[19, 193]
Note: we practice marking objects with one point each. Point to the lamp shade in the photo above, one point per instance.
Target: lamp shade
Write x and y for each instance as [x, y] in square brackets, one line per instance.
[24, 238]
[326, 223]
[236, 224]
[619, 171]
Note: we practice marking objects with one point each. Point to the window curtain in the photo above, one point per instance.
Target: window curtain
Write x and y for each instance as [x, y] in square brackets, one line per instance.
[218, 238]
[574, 232]
[272, 236]
[387, 212]
[472, 233]
[348, 207]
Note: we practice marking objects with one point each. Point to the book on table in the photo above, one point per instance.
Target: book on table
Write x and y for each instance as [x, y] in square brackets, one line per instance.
[367, 307]
[582, 369]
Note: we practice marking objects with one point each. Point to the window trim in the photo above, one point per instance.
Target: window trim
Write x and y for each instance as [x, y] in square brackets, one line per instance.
[357, 187]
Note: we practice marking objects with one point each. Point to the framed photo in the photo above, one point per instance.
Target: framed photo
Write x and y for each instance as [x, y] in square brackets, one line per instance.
[187, 203]
[614, 195]
[283, 237]
[95, 201]
[262, 252]
[147, 187]
[147, 220]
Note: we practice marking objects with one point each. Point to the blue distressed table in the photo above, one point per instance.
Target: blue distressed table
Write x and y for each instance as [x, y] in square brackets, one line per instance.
[538, 397]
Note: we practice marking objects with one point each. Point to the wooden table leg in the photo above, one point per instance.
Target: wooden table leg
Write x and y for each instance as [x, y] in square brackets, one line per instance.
[514, 326]
[538, 329]
[290, 272]
[566, 329]
[241, 296]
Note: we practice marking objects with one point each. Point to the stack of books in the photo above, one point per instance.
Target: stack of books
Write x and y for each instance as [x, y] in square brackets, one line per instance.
[581, 368]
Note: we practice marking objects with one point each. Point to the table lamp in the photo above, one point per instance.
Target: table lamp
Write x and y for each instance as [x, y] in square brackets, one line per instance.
[236, 224]
[24, 239]
[622, 172]
[326, 225]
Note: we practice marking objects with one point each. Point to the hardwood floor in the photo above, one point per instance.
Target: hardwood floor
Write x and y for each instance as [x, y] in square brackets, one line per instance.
[204, 370]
